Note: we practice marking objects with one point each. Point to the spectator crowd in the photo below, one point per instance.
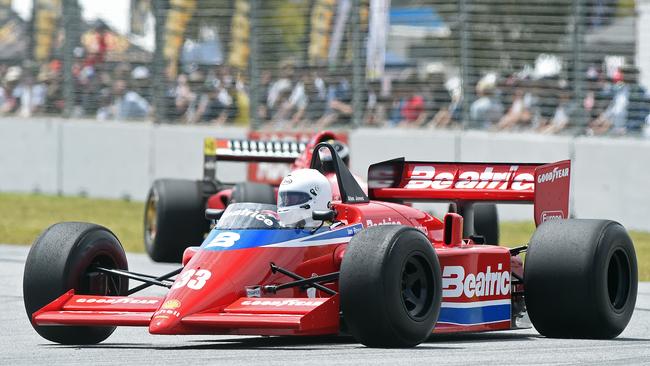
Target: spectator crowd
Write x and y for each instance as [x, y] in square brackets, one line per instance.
[293, 97]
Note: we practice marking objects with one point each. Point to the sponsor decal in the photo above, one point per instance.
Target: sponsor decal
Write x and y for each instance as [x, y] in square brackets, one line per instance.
[171, 304]
[278, 303]
[384, 221]
[356, 198]
[552, 215]
[553, 175]
[254, 291]
[354, 229]
[166, 313]
[455, 283]
[257, 215]
[224, 239]
[425, 177]
[122, 300]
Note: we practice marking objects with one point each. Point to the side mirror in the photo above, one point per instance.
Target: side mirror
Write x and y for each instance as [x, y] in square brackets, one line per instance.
[326, 215]
[213, 213]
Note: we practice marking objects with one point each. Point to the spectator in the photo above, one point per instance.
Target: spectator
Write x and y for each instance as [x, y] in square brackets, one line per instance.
[214, 106]
[11, 78]
[485, 111]
[339, 98]
[128, 104]
[444, 104]
[184, 98]
[615, 116]
[30, 95]
[375, 113]
[562, 115]
[638, 108]
[413, 113]
[316, 93]
[281, 85]
[263, 96]
[520, 111]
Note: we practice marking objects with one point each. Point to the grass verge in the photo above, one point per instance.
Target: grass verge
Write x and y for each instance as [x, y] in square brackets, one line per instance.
[23, 217]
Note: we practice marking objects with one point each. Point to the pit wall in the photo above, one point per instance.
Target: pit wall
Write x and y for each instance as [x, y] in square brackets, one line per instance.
[610, 178]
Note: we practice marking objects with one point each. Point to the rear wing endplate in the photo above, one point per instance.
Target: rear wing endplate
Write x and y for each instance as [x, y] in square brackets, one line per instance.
[546, 186]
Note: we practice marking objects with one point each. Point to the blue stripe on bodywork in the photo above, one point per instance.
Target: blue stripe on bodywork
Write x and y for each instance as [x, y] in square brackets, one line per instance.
[265, 237]
[475, 315]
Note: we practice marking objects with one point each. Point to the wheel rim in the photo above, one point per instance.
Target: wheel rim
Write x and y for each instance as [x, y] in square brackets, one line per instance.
[151, 226]
[618, 279]
[96, 283]
[417, 287]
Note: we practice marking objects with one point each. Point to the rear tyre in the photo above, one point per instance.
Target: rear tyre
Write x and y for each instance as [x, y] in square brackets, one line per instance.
[486, 222]
[253, 192]
[390, 286]
[174, 218]
[63, 258]
[580, 279]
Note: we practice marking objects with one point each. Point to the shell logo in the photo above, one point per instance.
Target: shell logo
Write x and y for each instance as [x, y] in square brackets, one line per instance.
[171, 304]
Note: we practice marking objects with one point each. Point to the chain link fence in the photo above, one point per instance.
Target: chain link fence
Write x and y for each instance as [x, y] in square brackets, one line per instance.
[551, 66]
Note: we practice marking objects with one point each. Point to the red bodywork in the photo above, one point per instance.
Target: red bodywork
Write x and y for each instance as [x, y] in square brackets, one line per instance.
[209, 296]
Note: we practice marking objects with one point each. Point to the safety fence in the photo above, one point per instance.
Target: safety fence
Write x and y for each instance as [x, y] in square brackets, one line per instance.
[548, 66]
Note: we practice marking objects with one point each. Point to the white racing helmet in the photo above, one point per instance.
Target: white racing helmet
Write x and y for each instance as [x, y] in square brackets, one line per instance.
[302, 192]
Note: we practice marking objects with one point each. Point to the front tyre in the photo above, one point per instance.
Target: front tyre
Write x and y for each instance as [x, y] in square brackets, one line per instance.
[64, 258]
[390, 286]
[174, 218]
[580, 279]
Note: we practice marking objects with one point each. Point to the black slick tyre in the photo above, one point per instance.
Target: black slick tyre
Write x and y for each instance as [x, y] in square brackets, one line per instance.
[390, 286]
[580, 279]
[63, 258]
[174, 218]
[486, 222]
[253, 192]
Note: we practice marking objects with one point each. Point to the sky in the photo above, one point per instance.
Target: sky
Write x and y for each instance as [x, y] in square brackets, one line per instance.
[114, 12]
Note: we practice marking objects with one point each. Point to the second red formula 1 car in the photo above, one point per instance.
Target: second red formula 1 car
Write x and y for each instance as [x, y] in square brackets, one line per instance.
[174, 208]
[366, 265]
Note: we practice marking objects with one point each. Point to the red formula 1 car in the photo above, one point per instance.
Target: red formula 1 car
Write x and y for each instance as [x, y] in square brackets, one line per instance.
[174, 208]
[386, 273]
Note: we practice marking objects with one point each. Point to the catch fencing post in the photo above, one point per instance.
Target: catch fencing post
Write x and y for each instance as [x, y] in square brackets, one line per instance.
[71, 23]
[253, 66]
[357, 65]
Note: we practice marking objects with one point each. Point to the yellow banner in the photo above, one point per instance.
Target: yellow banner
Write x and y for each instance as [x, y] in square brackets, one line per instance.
[322, 17]
[240, 30]
[178, 17]
[47, 15]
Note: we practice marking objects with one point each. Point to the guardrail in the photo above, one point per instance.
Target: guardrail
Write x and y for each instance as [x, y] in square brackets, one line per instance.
[120, 160]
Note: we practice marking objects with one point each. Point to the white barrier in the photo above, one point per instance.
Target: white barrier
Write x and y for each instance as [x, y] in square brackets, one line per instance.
[114, 160]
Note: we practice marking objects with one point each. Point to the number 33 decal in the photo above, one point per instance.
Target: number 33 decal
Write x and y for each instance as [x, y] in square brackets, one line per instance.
[193, 279]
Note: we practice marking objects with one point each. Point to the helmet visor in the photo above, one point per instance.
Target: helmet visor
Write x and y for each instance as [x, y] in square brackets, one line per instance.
[292, 198]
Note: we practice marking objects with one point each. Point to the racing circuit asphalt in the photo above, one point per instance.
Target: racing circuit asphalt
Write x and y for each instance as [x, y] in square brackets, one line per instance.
[19, 344]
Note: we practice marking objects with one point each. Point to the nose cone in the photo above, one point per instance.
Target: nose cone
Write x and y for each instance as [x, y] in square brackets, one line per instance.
[211, 281]
[167, 319]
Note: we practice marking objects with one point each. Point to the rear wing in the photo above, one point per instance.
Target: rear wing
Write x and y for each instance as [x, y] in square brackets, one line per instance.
[270, 155]
[546, 186]
[248, 150]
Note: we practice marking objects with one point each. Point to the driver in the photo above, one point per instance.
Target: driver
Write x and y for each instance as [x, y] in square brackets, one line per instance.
[302, 192]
